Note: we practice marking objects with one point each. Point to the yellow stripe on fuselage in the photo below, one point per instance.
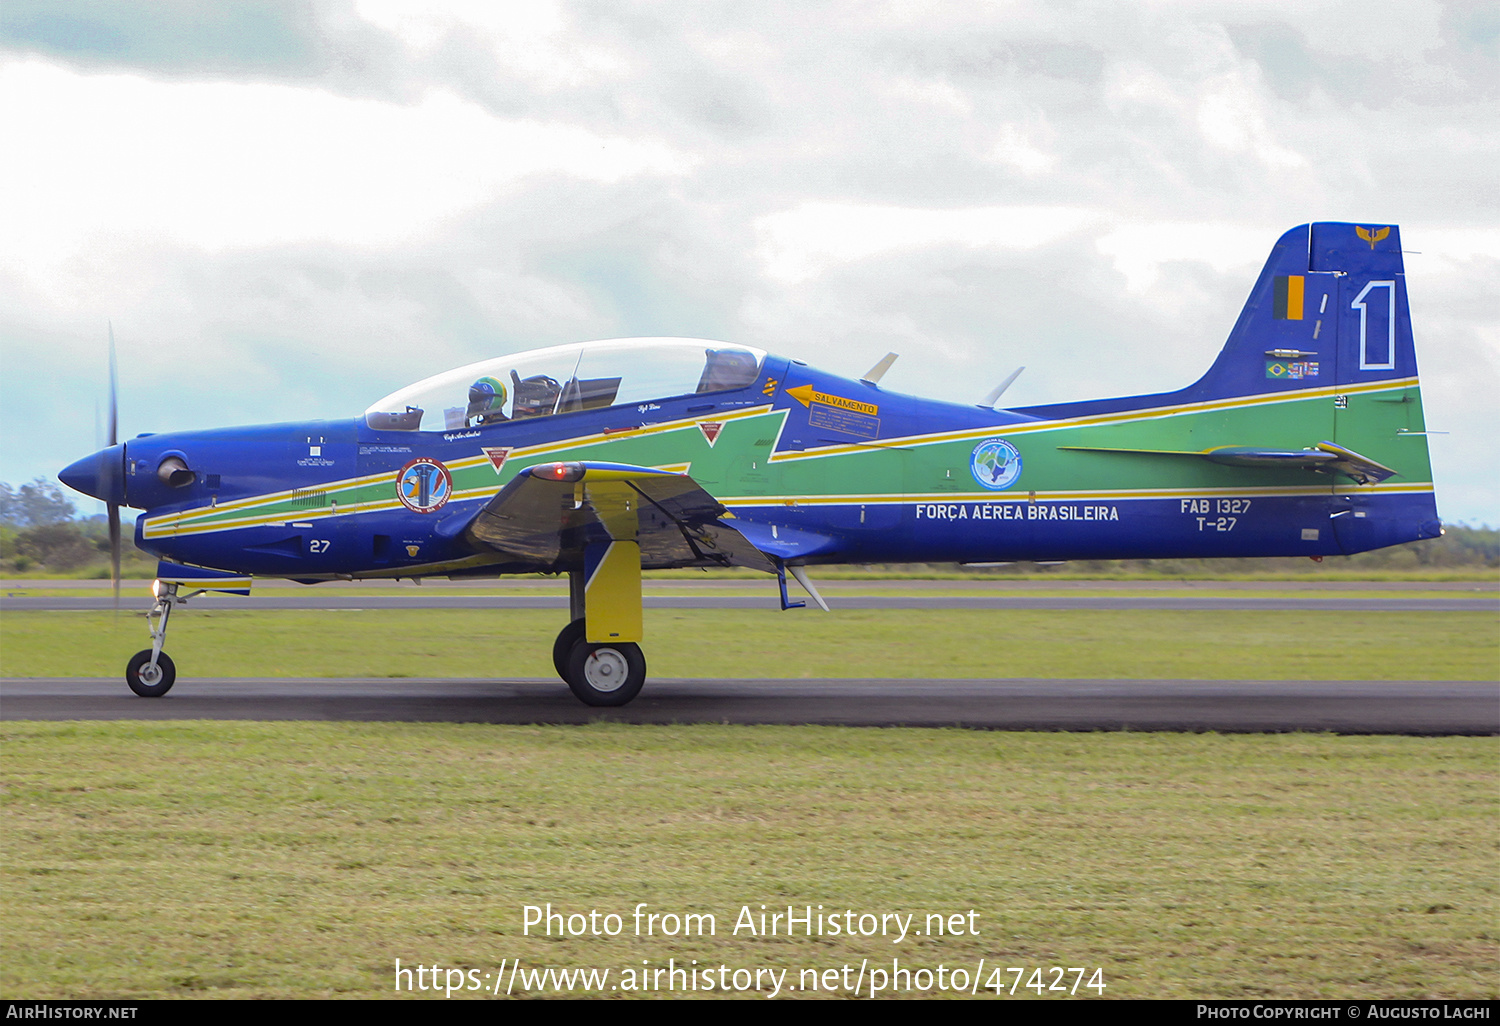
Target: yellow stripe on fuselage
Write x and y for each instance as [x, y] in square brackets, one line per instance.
[208, 519]
[1125, 416]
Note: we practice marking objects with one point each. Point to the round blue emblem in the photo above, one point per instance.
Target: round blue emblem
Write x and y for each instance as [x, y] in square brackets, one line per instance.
[424, 485]
[995, 464]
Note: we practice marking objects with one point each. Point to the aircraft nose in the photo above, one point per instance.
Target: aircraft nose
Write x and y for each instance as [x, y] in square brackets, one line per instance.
[98, 475]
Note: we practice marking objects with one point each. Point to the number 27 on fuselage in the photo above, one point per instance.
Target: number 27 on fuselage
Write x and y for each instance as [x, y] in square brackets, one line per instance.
[603, 459]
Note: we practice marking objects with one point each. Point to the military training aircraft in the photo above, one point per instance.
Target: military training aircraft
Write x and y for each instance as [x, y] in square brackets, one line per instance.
[604, 459]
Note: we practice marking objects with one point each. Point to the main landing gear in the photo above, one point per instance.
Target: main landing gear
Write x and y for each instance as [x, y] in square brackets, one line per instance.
[601, 674]
[608, 673]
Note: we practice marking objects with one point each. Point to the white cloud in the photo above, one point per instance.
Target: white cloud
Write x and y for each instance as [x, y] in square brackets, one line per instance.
[802, 243]
[1088, 190]
[1138, 250]
[1018, 148]
[222, 164]
[1231, 117]
[931, 93]
[528, 38]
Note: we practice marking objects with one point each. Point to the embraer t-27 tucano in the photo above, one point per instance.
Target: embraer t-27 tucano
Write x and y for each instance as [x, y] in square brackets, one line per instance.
[603, 459]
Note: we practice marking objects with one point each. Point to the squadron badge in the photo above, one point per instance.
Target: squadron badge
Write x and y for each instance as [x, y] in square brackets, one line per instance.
[424, 485]
[995, 464]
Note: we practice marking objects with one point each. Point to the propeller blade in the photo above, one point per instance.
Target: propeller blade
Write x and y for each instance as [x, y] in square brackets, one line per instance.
[114, 549]
[114, 437]
[114, 406]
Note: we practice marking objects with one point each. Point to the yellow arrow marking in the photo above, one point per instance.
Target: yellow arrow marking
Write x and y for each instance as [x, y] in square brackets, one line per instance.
[807, 395]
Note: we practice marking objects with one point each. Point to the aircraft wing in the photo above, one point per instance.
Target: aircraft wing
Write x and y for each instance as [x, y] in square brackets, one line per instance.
[1323, 456]
[556, 508]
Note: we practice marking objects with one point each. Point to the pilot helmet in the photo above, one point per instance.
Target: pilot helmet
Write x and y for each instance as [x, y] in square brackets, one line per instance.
[486, 397]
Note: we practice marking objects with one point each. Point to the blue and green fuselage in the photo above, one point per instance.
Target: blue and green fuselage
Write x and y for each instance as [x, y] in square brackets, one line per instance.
[1306, 437]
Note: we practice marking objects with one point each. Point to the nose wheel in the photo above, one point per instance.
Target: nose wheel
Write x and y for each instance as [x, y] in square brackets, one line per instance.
[150, 678]
[599, 674]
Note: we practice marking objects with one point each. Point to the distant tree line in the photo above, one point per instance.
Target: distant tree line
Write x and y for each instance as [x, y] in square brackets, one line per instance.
[42, 532]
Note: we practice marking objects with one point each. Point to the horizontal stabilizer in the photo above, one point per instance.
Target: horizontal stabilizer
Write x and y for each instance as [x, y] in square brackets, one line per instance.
[1361, 468]
[1323, 456]
[547, 513]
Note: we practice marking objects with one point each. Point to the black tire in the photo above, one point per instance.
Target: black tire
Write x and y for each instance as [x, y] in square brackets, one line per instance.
[139, 675]
[606, 674]
[566, 639]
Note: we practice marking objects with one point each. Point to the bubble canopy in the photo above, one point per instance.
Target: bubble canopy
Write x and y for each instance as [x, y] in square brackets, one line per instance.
[566, 379]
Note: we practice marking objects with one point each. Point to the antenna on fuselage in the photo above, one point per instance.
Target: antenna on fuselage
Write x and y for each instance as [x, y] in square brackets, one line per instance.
[875, 373]
[989, 401]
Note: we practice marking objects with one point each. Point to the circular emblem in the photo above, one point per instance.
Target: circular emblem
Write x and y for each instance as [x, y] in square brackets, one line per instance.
[423, 485]
[995, 464]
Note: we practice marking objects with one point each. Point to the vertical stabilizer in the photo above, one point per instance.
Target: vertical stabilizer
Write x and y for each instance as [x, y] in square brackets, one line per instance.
[1320, 360]
[1328, 309]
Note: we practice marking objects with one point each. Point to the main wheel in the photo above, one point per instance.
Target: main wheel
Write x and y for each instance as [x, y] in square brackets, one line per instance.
[566, 639]
[605, 674]
[150, 681]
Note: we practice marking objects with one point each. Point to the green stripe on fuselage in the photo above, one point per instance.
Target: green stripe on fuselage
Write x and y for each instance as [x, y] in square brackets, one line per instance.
[1379, 423]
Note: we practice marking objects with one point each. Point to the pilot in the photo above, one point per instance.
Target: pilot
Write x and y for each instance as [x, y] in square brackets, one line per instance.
[487, 401]
[536, 396]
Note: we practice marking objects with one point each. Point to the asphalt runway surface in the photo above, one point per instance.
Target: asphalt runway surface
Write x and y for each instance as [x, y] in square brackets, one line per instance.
[1332, 602]
[1344, 707]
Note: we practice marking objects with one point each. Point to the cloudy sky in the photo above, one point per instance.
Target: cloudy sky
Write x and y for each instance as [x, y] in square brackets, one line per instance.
[288, 210]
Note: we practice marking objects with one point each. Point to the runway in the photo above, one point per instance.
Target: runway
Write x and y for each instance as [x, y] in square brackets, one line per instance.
[1344, 707]
[1329, 602]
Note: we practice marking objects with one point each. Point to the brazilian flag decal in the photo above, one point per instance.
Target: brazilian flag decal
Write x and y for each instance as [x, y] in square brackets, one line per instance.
[1289, 291]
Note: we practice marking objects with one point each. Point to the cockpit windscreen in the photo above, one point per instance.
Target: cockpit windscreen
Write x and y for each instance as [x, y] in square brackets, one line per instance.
[566, 379]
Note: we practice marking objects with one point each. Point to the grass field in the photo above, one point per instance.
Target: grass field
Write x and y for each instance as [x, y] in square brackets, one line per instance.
[204, 859]
[1314, 645]
[245, 859]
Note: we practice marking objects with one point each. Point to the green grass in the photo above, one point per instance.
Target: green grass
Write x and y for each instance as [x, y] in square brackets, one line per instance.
[1314, 645]
[302, 859]
[295, 859]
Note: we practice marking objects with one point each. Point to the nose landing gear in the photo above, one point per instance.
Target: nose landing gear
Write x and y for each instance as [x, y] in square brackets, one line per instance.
[151, 672]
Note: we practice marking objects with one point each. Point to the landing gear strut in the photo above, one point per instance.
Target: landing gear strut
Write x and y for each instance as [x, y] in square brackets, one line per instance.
[151, 672]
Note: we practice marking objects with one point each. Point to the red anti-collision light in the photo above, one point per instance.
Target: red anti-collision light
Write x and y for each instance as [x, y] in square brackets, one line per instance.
[564, 471]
